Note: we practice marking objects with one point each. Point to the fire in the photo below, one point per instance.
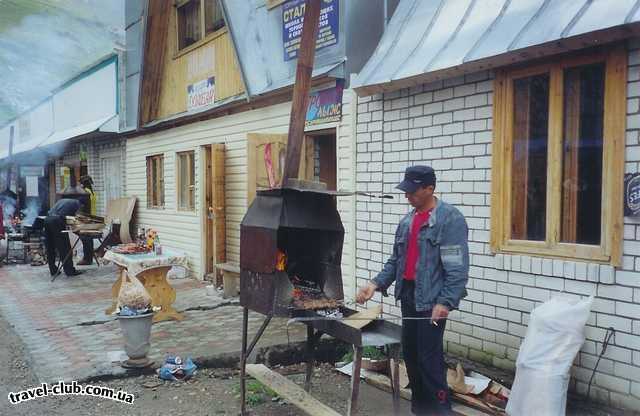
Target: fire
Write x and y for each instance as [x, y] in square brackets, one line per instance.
[281, 261]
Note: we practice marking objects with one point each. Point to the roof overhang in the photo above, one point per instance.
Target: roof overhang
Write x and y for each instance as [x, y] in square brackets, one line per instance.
[435, 40]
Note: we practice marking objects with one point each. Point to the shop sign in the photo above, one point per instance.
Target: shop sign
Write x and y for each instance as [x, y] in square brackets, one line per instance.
[292, 19]
[632, 195]
[31, 171]
[325, 106]
[200, 94]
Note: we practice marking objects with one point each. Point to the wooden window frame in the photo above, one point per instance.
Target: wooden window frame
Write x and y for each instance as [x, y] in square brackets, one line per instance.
[610, 249]
[155, 191]
[204, 36]
[190, 206]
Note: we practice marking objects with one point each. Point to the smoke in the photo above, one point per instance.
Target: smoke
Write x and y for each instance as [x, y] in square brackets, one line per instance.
[44, 42]
[8, 209]
[31, 211]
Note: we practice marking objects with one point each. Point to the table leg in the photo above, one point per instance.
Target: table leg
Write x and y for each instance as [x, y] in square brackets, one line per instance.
[355, 381]
[115, 290]
[162, 293]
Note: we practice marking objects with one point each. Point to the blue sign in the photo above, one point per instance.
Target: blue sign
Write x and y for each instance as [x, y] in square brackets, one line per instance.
[325, 106]
[292, 19]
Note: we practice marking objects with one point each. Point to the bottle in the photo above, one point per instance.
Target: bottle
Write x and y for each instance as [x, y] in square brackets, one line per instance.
[156, 245]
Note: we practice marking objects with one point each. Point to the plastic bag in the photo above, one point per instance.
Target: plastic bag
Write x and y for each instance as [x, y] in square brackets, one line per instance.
[175, 369]
[554, 337]
[132, 293]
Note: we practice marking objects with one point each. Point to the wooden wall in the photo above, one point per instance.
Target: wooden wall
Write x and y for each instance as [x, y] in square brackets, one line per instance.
[212, 56]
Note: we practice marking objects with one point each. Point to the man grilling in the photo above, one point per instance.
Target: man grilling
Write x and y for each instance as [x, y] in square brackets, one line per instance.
[429, 265]
[56, 240]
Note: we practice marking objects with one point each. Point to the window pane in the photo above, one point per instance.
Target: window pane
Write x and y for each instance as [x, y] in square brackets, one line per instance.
[582, 154]
[182, 180]
[529, 158]
[189, 31]
[154, 182]
[213, 19]
[191, 182]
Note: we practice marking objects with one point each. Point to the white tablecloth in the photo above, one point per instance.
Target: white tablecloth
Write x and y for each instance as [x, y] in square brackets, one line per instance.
[137, 263]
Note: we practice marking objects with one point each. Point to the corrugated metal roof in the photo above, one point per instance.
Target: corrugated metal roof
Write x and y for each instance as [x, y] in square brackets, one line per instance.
[451, 37]
[257, 35]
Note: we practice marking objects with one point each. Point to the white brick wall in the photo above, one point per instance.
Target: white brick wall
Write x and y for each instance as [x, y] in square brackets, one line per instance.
[447, 124]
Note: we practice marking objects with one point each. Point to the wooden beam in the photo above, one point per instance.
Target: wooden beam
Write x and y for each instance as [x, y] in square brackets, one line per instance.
[293, 393]
[300, 102]
[154, 53]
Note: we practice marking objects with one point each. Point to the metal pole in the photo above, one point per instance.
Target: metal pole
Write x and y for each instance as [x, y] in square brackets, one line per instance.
[243, 360]
[310, 357]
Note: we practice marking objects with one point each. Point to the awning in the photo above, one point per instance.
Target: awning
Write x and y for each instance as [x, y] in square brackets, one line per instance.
[107, 124]
[436, 39]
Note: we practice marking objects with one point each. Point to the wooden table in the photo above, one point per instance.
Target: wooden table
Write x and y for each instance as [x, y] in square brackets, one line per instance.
[151, 270]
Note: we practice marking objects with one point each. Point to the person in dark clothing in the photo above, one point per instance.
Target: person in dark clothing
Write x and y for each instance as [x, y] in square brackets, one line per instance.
[56, 241]
[430, 267]
[87, 242]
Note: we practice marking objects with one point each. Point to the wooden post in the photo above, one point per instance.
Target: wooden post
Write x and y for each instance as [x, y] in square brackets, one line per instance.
[300, 101]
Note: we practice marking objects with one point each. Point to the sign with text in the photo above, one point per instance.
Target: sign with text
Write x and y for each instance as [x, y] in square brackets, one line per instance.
[632, 195]
[31, 171]
[200, 94]
[325, 106]
[292, 19]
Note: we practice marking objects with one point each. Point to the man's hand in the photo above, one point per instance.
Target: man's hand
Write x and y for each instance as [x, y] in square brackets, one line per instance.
[439, 312]
[366, 292]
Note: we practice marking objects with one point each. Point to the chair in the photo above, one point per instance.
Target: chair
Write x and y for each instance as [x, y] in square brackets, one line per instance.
[122, 208]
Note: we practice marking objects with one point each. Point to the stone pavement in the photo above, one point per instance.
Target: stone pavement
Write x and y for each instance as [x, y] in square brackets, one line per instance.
[69, 337]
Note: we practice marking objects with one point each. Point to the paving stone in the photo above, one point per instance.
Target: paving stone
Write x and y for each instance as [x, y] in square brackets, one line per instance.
[68, 336]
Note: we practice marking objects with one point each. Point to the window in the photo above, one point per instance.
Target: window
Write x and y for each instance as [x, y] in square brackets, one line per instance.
[186, 181]
[197, 19]
[558, 158]
[155, 181]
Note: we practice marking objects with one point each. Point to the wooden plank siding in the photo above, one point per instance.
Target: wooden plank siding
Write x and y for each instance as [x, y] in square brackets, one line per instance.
[154, 58]
[183, 230]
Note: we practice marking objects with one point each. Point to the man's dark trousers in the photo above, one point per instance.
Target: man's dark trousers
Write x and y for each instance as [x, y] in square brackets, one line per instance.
[424, 357]
[57, 241]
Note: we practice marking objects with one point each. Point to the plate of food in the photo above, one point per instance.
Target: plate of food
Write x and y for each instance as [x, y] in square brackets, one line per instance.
[131, 248]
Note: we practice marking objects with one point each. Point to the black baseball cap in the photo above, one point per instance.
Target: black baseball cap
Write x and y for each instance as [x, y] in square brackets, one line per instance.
[416, 177]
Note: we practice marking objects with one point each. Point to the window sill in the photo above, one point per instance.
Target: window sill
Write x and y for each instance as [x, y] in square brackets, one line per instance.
[554, 266]
[156, 207]
[565, 251]
[208, 38]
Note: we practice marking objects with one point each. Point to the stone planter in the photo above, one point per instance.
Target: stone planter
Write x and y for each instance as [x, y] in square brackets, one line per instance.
[136, 331]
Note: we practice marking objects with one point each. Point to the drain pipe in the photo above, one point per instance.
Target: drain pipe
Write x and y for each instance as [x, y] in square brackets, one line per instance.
[385, 7]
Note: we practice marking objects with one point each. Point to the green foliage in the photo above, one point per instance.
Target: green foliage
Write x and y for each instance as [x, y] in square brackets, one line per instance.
[257, 393]
[374, 353]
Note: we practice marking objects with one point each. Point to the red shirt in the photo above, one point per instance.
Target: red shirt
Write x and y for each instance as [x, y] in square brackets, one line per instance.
[419, 219]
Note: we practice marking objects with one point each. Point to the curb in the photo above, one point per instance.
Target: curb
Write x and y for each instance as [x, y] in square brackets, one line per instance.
[327, 350]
